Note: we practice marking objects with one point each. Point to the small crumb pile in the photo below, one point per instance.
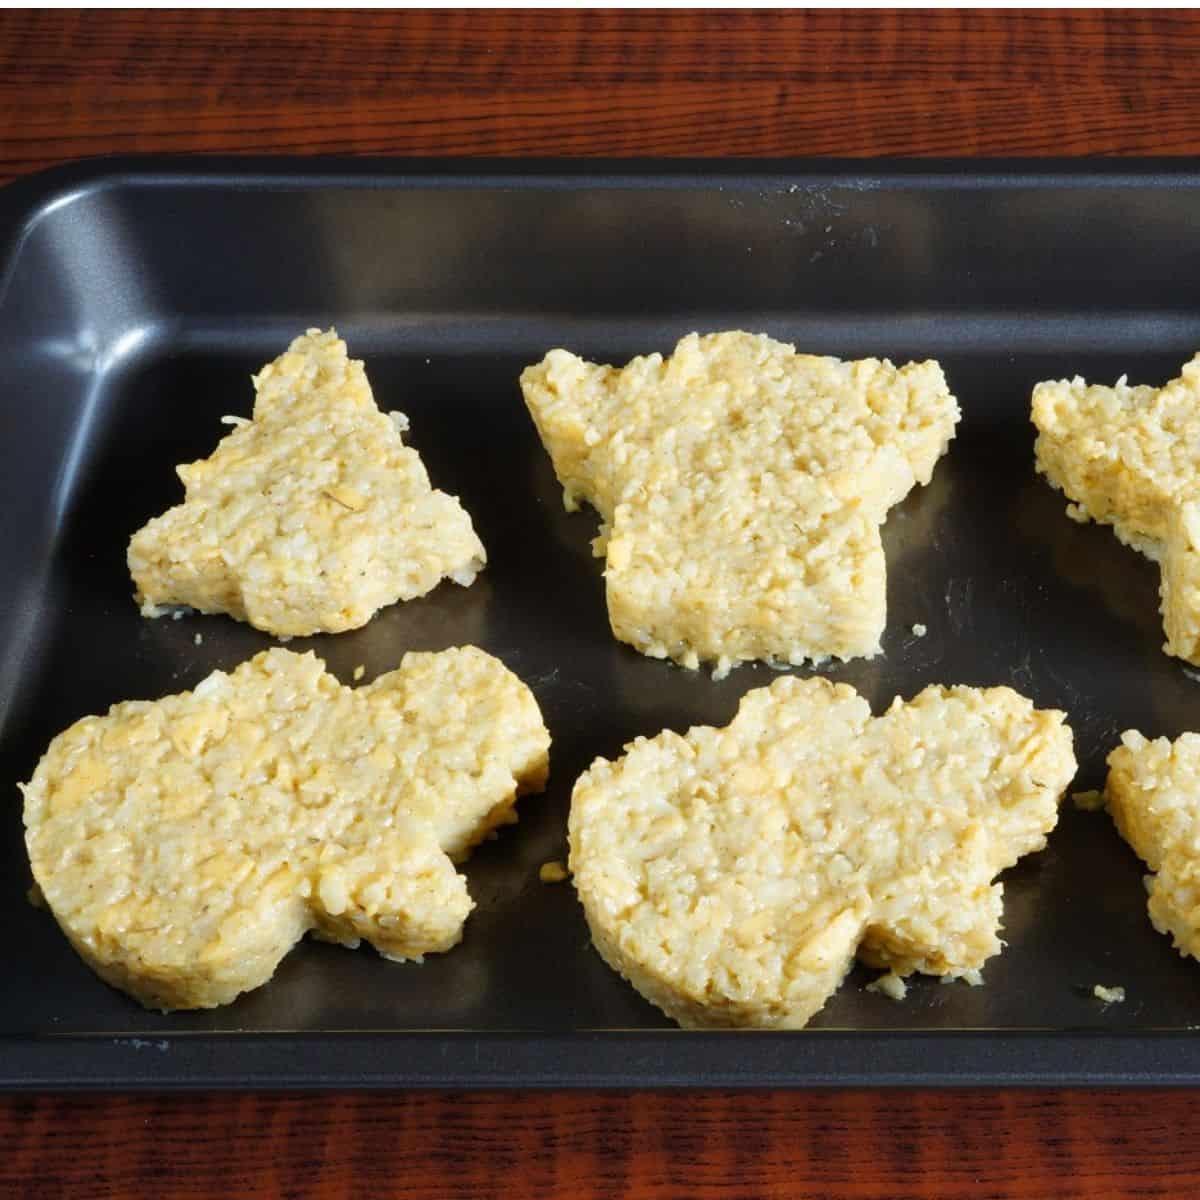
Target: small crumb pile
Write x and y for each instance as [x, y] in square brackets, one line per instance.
[890, 985]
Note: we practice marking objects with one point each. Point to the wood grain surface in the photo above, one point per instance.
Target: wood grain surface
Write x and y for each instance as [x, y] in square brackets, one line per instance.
[600, 83]
[877, 1145]
[597, 83]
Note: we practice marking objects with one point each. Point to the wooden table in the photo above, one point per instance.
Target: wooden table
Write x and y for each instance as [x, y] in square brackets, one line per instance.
[774, 83]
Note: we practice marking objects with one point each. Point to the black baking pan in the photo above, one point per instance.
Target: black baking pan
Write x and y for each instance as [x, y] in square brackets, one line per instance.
[137, 297]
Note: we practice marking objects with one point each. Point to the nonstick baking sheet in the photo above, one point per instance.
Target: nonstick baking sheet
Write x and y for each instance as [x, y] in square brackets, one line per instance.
[138, 296]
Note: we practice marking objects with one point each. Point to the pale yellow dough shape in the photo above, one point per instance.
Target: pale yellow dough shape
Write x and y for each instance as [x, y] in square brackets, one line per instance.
[741, 487]
[732, 875]
[310, 517]
[1129, 457]
[186, 844]
[1153, 795]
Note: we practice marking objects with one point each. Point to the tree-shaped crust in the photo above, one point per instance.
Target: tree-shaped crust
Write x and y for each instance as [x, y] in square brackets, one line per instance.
[309, 517]
[186, 844]
[742, 487]
[731, 875]
[1129, 457]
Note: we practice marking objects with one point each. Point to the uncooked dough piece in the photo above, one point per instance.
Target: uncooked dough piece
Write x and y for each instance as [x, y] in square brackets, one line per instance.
[742, 487]
[1129, 457]
[310, 517]
[186, 844]
[731, 875]
[1153, 795]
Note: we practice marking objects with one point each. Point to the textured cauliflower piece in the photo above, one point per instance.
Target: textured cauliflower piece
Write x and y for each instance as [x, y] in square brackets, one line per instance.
[741, 487]
[186, 844]
[1153, 795]
[1129, 457]
[732, 875]
[310, 517]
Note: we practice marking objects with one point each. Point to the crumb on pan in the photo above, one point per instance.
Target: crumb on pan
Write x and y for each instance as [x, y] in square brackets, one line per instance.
[553, 872]
[890, 985]
[970, 978]
[1110, 995]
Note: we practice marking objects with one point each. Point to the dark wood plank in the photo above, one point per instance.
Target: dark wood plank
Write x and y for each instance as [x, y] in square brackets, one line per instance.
[600, 83]
[648, 1146]
[592, 83]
